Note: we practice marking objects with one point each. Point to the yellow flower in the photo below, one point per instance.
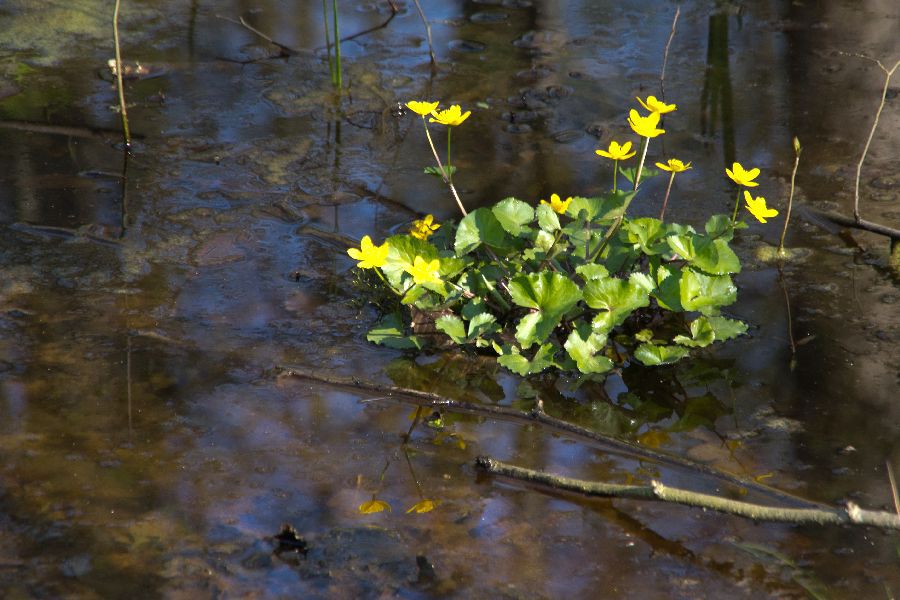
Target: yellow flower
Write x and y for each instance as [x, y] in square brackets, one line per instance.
[657, 106]
[423, 228]
[674, 165]
[369, 255]
[645, 126]
[423, 272]
[422, 108]
[616, 152]
[422, 507]
[451, 117]
[758, 207]
[558, 205]
[741, 176]
[374, 506]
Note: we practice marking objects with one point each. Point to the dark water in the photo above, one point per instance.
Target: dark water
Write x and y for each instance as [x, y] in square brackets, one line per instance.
[149, 446]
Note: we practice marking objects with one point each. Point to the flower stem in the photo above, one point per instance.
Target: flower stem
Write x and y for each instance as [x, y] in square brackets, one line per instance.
[615, 174]
[787, 217]
[441, 167]
[737, 203]
[327, 39]
[380, 276]
[449, 168]
[645, 143]
[662, 213]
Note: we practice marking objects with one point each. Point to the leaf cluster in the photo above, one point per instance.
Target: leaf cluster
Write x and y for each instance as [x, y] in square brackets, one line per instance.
[585, 291]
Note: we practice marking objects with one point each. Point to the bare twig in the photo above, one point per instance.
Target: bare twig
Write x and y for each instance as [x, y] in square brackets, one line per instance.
[122, 108]
[427, 32]
[797, 150]
[849, 515]
[890, 472]
[662, 73]
[846, 221]
[888, 73]
[540, 417]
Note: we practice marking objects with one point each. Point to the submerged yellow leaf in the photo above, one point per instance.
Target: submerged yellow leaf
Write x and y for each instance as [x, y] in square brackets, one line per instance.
[374, 506]
[422, 507]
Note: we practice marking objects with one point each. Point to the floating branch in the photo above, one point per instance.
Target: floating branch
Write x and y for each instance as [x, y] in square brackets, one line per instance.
[849, 515]
[537, 415]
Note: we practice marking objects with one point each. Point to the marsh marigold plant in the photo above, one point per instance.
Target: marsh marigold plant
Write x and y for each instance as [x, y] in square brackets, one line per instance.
[551, 284]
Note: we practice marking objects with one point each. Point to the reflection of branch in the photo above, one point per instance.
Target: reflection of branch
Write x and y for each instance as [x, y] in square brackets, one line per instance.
[846, 221]
[851, 515]
[662, 73]
[286, 50]
[540, 417]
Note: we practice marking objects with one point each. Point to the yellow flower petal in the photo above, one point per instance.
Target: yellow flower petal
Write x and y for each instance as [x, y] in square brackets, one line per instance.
[617, 152]
[374, 506]
[674, 165]
[758, 208]
[451, 117]
[423, 228]
[422, 108]
[369, 255]
[424, 272]
[657, 106]
[645, 126]
[558, 205]
[422, 507]
[741, 176]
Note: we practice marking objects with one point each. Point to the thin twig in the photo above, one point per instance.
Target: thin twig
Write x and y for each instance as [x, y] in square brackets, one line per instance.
[540, 417]
[887, 82]
[286, 50]
[427, 33]
[662, 73]
[890, 472]
[353, 36]
[787, 217]
[849, 515]
[122, 108]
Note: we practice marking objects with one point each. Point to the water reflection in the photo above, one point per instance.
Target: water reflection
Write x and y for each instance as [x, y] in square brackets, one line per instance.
[147, 444]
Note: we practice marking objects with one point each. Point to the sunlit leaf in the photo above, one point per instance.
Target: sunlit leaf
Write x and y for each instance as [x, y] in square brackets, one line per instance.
[551, 294]
[648, 234]
[583, 345]
[548, 220]
[513, 360]
[616, 298]
[653, 355]
[453, 326]
[403, 250]
[706, 293]
[374, 506]
[437, 172]
[592, 271]
[423, 506]
[513, 215]
[482, 323]
[702, 334]
[716, 258]
[479, 227]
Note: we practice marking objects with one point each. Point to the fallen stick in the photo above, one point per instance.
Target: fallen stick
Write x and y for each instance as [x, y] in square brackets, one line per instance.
[849, 515]
[537, 415]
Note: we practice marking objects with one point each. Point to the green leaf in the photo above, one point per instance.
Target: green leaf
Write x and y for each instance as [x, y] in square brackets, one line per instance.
[479, 226]
[592, 271]
[513, 215]
[583, 346]
[403, 250]
[546, 291]
[648, 233]
[548, 220]
[481, 324]
[630, 172]
[706, 293]
[717, 258]
[436, 171]
[513, 360]
[702, 334]
[668, 290]
[390, 332]
[725, 328]
[602, 209]
[551, 294]
[682, 245]
[652, 355]
[453, 327]
[616, 298]
[719, 226]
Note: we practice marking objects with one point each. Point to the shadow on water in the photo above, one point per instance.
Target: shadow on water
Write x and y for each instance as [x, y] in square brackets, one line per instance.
[148, 446]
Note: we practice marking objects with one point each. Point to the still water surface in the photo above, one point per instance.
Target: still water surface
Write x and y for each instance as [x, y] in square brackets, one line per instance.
[149, 444]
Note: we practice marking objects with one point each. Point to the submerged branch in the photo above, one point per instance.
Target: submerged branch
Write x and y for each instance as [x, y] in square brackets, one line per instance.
[846, 221]
[849, 515]
[537, 415]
